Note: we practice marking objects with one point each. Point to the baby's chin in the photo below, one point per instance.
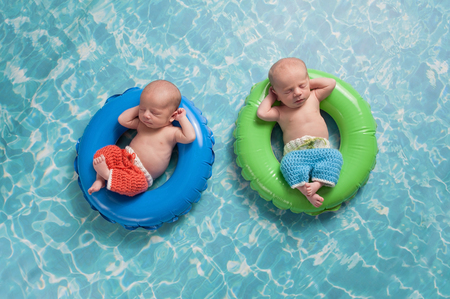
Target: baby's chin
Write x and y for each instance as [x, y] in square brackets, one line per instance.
[147, 124]
[300, 103]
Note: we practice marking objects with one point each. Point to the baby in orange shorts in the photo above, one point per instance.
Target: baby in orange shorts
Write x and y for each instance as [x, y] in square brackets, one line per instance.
[131, 171]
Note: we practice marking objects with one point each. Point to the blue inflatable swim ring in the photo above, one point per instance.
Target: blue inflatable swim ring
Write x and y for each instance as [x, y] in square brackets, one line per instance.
[163, 204]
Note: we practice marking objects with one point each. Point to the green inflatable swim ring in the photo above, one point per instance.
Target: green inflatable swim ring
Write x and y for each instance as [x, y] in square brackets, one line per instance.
[358, 146]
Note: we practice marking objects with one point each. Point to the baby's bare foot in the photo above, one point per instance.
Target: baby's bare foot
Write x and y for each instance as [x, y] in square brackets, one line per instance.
[316, 200]
[313, 187]
[96, 186]
[304, 189]
[308, 189]
[101, 168]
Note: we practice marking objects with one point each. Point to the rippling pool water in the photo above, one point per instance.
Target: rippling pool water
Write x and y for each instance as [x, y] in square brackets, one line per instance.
[60, 61]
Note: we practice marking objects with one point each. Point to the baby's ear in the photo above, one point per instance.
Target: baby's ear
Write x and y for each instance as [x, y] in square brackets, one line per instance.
[275, 93]
[273, 90]
[172, 117]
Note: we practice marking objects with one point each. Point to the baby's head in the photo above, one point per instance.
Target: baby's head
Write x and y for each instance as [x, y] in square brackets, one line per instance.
[290, 81]
[159, 103]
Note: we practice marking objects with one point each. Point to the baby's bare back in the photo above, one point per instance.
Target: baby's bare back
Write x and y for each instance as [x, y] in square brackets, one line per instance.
[154, 148]
[306, 120]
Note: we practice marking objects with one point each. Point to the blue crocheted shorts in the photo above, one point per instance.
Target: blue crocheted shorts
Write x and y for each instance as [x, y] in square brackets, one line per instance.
[318, 164]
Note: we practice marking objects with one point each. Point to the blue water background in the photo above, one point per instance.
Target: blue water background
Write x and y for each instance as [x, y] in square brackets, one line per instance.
[60, 61]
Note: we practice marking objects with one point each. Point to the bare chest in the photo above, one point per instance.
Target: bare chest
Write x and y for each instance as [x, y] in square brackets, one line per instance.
[308, 113]
[160, 140]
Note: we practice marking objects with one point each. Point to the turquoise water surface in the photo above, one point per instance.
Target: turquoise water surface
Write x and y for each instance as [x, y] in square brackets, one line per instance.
[60, 61]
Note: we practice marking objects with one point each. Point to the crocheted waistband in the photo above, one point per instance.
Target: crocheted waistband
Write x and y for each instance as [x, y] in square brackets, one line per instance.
[139, 165]
[306, 142]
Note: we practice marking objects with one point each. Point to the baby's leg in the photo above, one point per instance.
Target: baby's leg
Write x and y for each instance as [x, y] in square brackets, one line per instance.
[101, 168]
[97, 185]
[102, 174]
[129, 182]
[313, 187]
[315, 199]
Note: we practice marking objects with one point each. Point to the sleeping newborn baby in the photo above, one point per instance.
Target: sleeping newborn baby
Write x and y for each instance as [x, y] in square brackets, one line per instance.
[307, 152]
[131, 171]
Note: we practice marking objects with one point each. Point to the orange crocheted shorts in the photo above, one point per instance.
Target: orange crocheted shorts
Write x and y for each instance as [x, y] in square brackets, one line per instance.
[125, 177]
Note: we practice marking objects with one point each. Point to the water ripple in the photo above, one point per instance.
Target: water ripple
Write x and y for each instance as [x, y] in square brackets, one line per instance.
[62, 59]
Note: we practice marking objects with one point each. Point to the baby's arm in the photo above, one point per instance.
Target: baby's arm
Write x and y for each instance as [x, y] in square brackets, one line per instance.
[266, 111]
[322, 87]
[187, 133]
[129, 118]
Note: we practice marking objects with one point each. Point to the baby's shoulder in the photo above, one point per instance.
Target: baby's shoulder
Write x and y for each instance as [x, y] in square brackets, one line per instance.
[171, 130]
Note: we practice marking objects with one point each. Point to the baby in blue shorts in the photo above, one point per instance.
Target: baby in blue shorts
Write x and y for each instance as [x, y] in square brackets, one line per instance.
[308, 162]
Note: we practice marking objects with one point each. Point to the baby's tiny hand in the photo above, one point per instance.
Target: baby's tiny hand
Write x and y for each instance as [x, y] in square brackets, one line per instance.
[180, 114]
